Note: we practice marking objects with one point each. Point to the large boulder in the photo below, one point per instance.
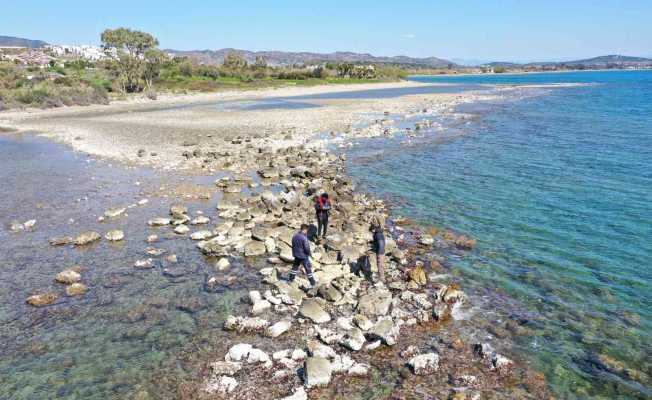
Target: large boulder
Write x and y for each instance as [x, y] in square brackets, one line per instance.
[317, 372]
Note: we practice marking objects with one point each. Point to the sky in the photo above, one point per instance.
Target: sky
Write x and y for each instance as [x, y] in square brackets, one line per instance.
[483, 30]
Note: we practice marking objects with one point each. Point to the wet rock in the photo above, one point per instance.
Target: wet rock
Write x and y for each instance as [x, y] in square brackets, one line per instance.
[114, 212]
[178, 210]
[201, 220]
[312, 310]
[225, 367]
[426, 240]
[279, 328]
[68, 276]
[358, 369]
[465, 243]
[40, 300]
[144, 264]
[29, 224]
[317, 372]
[159, 222]
[16, 227]
[115, 235]
[222, 264]
[76, 289]
[238, 352]
[258, 304]
[385, 330]
[175, 272]
[60, 241]
[484, 350]
[201, 235]
[221, 385]
[181, 230]
[86, 238]
[243, 324]
[500, 362]
[424, 364]
[151, 238]
[441, 311]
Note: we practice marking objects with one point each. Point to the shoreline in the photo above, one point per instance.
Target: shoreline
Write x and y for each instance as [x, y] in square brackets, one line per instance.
[239, 164]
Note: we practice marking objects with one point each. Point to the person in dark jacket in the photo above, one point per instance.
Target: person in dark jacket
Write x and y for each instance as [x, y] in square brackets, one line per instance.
[323, 209]
[301, 254]
[378, 248]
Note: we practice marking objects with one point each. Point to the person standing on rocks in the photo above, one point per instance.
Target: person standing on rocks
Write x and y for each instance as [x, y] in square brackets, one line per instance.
[323, 209]
[301, 254]
[378, 247]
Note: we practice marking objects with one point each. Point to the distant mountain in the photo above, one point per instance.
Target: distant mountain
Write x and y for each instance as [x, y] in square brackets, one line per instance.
[610, 61]
[10, 41]
[292, 58]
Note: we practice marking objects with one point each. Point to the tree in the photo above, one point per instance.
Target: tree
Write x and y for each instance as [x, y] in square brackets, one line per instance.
[234, 61]
[260, 63]
[127, 49]
[155, 59]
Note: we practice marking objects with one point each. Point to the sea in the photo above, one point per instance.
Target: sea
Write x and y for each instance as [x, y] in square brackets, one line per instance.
[554, 181]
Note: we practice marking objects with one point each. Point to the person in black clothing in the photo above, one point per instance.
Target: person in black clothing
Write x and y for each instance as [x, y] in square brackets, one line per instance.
[323, 209]
[378, 248]
[301, 254]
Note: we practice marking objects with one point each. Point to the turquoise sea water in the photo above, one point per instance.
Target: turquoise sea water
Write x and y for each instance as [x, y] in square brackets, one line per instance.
[556, 186]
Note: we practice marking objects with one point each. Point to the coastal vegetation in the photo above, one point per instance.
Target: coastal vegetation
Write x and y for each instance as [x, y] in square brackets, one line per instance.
[133, 64]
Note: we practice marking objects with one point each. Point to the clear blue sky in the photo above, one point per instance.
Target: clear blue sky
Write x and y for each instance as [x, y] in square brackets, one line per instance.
[507, 30]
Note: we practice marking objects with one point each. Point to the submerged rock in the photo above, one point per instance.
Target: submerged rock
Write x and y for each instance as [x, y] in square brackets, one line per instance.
[60, 241]
[76, 289]
[68, 276]
[225, 367]
[115, 235]
[40, 300]
[159, 222]
[221, 385]
[86, 238]
[114, 212]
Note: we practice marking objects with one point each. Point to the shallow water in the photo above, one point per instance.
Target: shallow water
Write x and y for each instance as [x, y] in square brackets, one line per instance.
[557, 189]
[132, 324]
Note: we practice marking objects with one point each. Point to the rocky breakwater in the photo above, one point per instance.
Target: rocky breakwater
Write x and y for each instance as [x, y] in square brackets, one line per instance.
[308, 337]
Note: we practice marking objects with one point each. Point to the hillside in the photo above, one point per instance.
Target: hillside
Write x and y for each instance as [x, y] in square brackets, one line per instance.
[10, 41]
[609, 61]
[289, 58]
